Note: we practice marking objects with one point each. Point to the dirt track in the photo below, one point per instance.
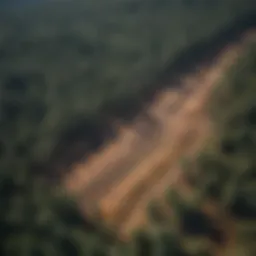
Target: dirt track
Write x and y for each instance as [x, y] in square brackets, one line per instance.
[143, 161]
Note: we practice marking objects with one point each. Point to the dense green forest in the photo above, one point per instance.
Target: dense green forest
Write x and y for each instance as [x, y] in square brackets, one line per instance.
[33, 222]
[68, 68]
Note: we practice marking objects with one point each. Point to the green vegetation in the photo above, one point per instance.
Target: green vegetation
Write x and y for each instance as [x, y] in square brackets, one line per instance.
[225, 175]
[61, 65]
[67, 68]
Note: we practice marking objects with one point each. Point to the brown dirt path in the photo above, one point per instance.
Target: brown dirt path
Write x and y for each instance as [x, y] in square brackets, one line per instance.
[142, 162]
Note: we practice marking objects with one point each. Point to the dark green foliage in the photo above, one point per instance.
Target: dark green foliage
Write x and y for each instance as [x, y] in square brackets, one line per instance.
[143, 244]
[168, 244]
[67, 69]
[34, 222]
[225, 176]
[2, 148]
[69, 60]
[234, 183]
[155, 213]
[195, 222]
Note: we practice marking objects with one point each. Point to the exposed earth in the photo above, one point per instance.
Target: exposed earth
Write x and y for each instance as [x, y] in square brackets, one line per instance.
[144, 159]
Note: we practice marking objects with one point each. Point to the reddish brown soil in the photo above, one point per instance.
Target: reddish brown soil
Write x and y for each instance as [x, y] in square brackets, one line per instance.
[143, 161]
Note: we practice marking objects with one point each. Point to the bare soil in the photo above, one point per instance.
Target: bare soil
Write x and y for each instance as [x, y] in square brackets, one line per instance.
[143, 161]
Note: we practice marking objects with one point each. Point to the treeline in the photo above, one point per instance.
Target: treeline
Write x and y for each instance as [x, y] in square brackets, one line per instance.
[68, 68]
[217, 216]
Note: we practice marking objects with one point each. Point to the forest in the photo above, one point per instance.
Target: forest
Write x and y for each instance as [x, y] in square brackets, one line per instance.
[68, 69]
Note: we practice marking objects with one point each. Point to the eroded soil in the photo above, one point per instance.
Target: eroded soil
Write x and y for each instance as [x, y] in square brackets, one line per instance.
[143, 161]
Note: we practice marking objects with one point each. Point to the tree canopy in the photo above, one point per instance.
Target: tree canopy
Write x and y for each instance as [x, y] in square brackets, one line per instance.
[68, 68]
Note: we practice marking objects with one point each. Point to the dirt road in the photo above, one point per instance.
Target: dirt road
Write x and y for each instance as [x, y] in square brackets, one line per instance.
[143, 161]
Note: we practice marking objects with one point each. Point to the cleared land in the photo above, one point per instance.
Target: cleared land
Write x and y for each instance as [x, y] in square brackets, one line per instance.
[143, 161]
